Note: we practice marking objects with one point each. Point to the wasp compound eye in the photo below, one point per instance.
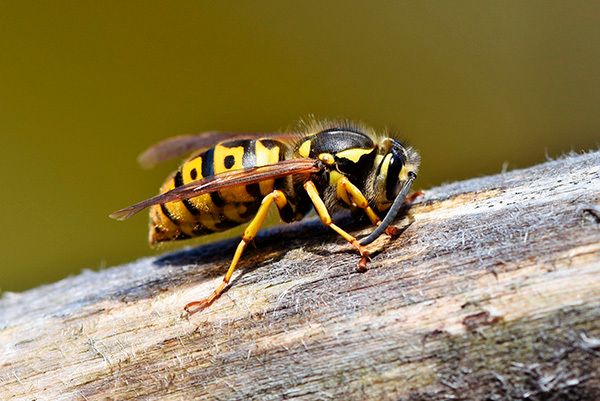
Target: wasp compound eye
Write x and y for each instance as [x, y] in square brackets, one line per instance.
[392, 182]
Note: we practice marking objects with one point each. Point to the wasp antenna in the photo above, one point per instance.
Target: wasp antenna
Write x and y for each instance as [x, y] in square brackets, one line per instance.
[391, 214]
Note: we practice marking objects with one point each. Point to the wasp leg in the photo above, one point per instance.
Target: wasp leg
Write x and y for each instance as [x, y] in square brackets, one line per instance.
[249, 234]
[350, 194]
[311, 189]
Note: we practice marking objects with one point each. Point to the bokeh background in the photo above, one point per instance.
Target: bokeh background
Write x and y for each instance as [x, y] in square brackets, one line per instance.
[86, 85]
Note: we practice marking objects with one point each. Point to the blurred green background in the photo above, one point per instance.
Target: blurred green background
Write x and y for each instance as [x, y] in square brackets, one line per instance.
[86, 85]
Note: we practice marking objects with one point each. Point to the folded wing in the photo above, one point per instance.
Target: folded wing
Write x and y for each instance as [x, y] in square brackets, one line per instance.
[225, 180]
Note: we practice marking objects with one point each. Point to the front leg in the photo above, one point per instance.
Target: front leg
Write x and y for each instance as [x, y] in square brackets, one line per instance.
[351, 195]
[325, 217]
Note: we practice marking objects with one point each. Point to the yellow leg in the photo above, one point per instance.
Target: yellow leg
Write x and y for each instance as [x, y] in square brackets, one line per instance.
[350, 194]
[311, 189]
[249, 233]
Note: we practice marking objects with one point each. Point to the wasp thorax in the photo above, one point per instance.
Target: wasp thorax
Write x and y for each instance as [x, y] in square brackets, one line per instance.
[394, 165]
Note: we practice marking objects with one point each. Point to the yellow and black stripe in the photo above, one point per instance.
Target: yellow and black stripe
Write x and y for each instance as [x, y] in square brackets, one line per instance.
[220, 210]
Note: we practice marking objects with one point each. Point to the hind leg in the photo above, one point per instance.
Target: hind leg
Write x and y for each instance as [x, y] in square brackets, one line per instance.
[249, 234]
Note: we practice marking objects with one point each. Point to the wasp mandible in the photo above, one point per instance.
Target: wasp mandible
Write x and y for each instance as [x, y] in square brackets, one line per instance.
[232, 179]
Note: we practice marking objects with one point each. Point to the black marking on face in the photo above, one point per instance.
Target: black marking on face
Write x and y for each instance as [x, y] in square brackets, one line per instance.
[193, 174]
[379, 167]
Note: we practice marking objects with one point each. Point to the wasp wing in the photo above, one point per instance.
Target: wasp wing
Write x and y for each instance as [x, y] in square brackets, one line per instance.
[182, 145]
[224, 180]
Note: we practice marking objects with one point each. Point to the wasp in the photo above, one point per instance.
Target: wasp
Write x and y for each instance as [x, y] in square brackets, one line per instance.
[232, 179]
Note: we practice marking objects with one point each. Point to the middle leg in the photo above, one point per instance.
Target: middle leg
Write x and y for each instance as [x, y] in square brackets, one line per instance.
[325, 217]
[350, 194]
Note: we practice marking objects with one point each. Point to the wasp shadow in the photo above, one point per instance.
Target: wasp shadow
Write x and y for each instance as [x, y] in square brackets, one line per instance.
[207, 261]
[272, 245]
[307, 233]
[210, 260]
[273, 238]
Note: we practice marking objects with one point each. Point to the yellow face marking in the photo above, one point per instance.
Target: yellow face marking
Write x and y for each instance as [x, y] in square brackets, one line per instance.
[304, 149]
[354, 154]
[380, 200]
[327, 158]
[385, 165]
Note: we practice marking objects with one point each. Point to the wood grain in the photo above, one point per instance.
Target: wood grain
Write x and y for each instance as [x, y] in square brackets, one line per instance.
[491, 292]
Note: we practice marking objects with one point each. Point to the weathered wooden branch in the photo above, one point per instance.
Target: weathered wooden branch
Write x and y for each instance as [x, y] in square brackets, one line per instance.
[491, 292]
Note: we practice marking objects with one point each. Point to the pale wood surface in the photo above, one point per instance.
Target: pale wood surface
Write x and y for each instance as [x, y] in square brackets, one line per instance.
[493, 292]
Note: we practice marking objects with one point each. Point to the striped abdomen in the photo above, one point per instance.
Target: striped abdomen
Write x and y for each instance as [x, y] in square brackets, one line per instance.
[217, 211]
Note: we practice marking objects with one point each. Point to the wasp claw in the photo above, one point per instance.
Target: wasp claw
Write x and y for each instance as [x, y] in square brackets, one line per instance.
[392, 231]
[196, 306]
[362, 264]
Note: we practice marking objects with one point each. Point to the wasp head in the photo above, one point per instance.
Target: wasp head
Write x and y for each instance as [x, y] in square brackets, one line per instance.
[394, 165]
